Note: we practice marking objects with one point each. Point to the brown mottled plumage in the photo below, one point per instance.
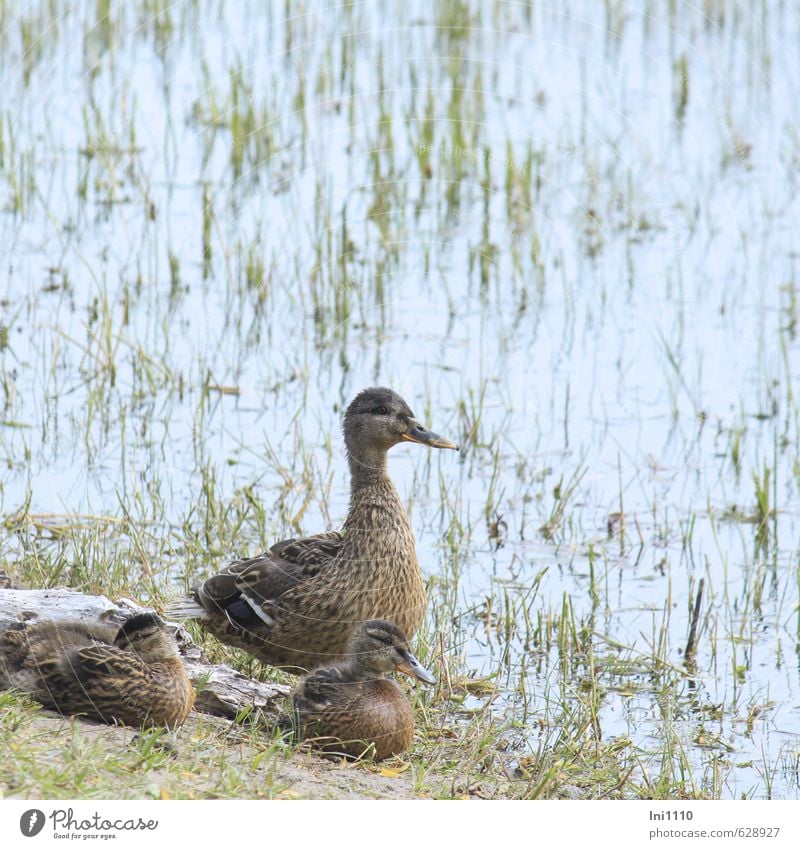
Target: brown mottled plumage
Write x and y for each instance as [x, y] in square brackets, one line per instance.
[131, 675]
[296, 605]
[350, 708]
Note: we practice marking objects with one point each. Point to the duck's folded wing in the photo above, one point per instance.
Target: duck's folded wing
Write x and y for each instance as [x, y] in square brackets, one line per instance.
[312, 552]
[107, 663]
[319, 690]
[30, 673]
[245, 594]
[78, 680]
[120, 687]
[13, 651]
[29, 654]
[246, 590]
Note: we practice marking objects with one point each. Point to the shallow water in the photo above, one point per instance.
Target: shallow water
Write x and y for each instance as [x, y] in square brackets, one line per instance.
[568, 239]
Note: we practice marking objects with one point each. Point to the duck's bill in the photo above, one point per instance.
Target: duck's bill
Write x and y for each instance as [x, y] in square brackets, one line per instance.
[419, 433]
[411, 666]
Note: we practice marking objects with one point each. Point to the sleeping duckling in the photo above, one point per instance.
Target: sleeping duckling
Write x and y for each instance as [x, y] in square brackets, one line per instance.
[131, 675]
[351, 706]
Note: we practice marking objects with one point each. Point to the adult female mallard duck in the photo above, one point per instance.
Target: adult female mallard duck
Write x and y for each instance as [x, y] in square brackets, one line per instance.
[131, 675]
[351, 708]
[295, 605]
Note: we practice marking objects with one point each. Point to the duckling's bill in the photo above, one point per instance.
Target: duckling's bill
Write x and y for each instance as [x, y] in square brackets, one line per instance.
[417, 432]
[411, 666]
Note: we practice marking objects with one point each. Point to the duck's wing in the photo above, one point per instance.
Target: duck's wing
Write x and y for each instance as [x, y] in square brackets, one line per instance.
[104, 662]
[247, 590]
[73, 680]
[13, 650]
[115, 683]
[29, 652]
[318, 691]
[309, 552]
[42, 676]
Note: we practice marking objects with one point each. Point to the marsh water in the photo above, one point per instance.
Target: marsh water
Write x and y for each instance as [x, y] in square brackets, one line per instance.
[568, 236]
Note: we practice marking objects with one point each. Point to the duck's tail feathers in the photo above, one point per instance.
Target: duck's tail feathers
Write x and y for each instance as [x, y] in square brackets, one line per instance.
[187, 607]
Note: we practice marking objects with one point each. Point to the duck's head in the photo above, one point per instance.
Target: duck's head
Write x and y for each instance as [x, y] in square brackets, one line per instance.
[148, 636]
[377, 647]
[379, 418]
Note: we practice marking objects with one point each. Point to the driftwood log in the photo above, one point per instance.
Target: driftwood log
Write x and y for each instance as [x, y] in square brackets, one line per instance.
[222, 690]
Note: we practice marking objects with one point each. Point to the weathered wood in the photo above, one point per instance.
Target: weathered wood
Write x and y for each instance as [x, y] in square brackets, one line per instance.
[222, 690]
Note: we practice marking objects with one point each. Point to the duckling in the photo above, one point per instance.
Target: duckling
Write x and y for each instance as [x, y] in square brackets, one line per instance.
[351, 706]
[131, 675]
[296, 605]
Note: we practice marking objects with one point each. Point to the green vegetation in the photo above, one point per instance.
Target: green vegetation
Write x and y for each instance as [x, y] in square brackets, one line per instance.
[567, 240]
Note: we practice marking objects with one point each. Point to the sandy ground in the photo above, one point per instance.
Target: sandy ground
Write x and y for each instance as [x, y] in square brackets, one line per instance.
[212, 758]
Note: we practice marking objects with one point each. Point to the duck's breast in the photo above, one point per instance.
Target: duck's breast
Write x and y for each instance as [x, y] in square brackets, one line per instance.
[381, 716]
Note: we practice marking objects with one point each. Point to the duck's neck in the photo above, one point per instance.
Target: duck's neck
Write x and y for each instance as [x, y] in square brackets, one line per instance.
[368, 470]
[356, 671]
[375, 506]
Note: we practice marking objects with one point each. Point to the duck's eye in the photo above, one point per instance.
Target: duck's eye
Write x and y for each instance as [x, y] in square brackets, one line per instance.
[380, 411]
